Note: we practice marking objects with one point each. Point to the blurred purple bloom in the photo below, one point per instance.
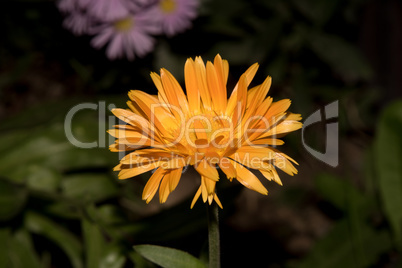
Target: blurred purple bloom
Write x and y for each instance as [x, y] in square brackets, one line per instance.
[174, 16]
[72, 5]
[78, 23]
[67, 5]
[110, 10]
[127, 37]
[126, 26]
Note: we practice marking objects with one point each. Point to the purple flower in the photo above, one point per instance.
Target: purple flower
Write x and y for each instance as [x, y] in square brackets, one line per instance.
[110, 10]
[72, 5]
[126, 27]
[174, 16]
[127, 37]
[78, 23]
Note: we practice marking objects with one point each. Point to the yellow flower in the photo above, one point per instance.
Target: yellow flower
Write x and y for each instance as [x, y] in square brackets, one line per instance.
[205, 129]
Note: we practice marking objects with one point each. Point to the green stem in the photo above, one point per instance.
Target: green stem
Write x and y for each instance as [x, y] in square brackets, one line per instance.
[213, 236]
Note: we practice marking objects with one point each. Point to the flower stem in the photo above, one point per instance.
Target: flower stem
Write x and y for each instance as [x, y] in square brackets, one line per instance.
[213, 236]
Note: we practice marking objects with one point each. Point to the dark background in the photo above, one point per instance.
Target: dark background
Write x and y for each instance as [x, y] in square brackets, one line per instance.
[61, 206]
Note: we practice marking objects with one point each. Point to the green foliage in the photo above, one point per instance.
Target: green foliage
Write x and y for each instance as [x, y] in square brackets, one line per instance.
[19, 250]
[344, 58]
[39, 224]
[388, 155]
[354, 240]
[337, 249]
[12, 200]
[168, 257]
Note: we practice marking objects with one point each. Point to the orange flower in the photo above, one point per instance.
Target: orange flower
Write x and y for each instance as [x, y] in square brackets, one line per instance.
[204, 129]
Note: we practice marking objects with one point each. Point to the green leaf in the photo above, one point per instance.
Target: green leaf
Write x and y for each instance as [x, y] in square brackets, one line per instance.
[113, 258]
[337, 250]
[89, 187]
[94, 243]
[41, 225]
[4, 236]
[12, 199]
[339, 192]
[317, 10]
[64, 209]
[341, 56]
[42, 178]
[388, 147]
[47, 144]
[138, 260]
[168, 257]
[21, 251]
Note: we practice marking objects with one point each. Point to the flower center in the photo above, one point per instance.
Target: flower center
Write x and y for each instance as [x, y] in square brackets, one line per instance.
[168, 6]
[205, 133]
[124, 25]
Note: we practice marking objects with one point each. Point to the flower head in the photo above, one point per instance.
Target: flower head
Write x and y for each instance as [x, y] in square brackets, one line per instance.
[127, 37]
[128, 26]
[109, 10]
[204, 129]
[78, 23]
[174, 16]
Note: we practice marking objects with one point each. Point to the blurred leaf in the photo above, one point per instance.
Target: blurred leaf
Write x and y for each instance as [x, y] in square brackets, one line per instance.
[341, 56]
[139, 261]
[22, 65]
[41, 225]
[388, 148]
[33, 151]
[267, 37]
[112, 258]
[47, 143]
[338, 192]
[165, 58]
[84, 72]
[168, 257]
[4, 236]
[161, 227]
[49, 148]
[100, 252]
[21, 251]
[36, 115]
[94, 244]
[343, 195]
[318, 11]
[42, 178]
[108, 214]
[336, 250]
[12, 199]
[232, 49]
[63, 208]
[89, 187]
[277, 68]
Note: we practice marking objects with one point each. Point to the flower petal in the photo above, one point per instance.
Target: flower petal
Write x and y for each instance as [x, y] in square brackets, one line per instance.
[174, 93]
[174, 178]
[200, 74]
[152, 185]
[164, 190]
[135, 171]
[216, 89]
[205, 169]
[227, 168]
[248, 179]
[249, 75]
[196, 196]
[193, 94]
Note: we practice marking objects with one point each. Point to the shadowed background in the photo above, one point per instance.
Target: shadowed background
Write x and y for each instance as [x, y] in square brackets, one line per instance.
[62, 206]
